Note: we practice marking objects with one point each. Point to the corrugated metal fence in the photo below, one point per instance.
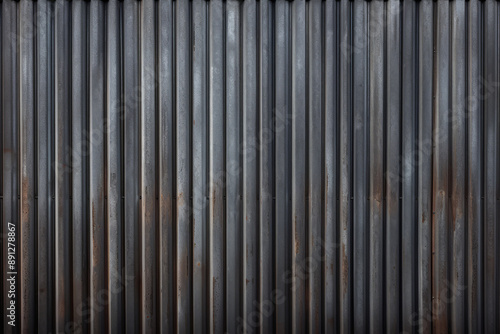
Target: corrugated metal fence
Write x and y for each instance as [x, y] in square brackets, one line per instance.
[273, 166]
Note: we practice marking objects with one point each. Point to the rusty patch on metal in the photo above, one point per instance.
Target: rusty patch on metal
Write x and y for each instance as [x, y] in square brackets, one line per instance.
[25, 204]
[297, 245]
[345, 269]
[180, 199]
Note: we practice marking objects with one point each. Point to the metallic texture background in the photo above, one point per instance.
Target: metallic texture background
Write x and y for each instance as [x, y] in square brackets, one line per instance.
[258, 166]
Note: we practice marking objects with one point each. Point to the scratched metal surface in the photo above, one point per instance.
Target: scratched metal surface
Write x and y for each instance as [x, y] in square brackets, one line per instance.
[251, 166]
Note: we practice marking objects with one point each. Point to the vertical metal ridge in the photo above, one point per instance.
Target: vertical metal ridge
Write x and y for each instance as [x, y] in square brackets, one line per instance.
[314, 168]
[10, 149]
[79, 137]
[98, 251]
[183, 164]
[10, 164]
[314, 152]
[393, 168]
[233, 166]
[217, 169]
[474, 110]
[250, 219]
[425, 156]
[265, 192]
[113, 167]
[166, 178]
[27, 168]
[330, 166]
[148, 166]
[282, 122]
[360, 123]
[63, 171]
[458, 165]
[377, 107]
[131, 167]
[491, 138]
[440, 170]
[298, 171]
[201, 114]
[44, 142]
[345, 166]
[408, 163]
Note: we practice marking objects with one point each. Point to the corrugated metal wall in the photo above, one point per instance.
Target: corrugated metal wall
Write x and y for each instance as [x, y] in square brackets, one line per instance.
[259, 166]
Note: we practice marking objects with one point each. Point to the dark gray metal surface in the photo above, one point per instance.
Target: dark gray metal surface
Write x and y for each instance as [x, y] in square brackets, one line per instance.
[251, 166]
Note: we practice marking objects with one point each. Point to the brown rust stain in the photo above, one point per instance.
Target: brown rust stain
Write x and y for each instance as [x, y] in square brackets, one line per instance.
[180, 200]
[166, 205]
[441, 317]
[345, 269]
[297, 241]
[25, 204]
[392, 202]
[438, 206]
[95, 247]
[377, 198]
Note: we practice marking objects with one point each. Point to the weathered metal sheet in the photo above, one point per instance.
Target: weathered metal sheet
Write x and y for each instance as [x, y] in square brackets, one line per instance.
[250, 166]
